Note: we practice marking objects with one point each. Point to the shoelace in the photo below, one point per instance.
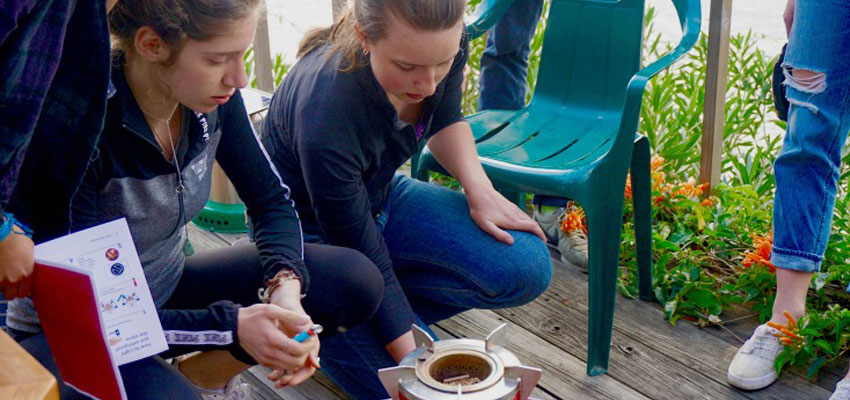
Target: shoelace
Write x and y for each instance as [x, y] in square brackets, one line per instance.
[761, 342]
[578, 240]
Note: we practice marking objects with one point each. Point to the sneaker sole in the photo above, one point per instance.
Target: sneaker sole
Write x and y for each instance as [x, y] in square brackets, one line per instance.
[568, 262]
[751, 383]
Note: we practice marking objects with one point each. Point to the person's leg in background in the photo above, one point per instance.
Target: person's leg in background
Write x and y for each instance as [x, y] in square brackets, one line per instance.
[817, 81]
[504, 63]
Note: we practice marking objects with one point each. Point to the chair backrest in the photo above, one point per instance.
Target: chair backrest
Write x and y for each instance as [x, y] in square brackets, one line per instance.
[591, 49]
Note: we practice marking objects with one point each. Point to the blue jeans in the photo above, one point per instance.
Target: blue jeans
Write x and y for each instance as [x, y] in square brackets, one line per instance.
[807, 168]
[446, 265]
[504, 64]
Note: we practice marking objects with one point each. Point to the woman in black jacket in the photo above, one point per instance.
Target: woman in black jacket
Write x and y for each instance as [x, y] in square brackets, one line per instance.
[365, 93]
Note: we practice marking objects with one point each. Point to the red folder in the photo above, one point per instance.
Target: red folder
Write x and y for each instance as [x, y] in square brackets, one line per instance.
[66, 301]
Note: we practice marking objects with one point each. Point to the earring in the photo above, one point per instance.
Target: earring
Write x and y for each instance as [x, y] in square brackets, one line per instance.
[365, 52]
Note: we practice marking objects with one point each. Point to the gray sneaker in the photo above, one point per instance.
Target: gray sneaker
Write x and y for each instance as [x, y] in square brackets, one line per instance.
[550, 222]
[842, 390]
[573, 245]
[573, 248]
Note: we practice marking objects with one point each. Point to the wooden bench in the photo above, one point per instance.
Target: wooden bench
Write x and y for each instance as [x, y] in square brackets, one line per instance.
[21, 376]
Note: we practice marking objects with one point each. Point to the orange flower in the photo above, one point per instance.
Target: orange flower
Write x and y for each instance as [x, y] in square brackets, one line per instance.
[658, 181]
[690, 189]
[656, 162]
[761, 253]
[792, 323]
[707, 202]
[789, 333]
[656, 175]
[574, 220]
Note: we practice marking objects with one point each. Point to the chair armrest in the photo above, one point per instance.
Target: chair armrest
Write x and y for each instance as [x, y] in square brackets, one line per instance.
[689, 17]
[486, 15]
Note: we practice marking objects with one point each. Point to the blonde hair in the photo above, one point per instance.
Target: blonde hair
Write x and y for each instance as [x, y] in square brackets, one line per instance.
[371, 17]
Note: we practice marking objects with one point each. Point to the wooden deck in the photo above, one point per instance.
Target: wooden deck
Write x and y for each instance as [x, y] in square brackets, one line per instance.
[649, 358]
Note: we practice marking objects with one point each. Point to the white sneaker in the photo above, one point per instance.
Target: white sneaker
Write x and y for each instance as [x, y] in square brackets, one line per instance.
[842, 390]
[234, 390]
[753, 365]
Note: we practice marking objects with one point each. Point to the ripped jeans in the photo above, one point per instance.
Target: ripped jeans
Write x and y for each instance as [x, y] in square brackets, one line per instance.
[817, 80]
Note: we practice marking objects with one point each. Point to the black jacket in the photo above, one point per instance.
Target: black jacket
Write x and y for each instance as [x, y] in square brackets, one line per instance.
[337, 140]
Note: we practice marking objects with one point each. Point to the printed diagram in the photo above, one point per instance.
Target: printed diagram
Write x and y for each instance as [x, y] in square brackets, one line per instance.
[121, 301]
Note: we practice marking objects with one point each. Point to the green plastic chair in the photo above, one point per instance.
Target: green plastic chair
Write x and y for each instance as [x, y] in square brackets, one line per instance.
[578, 136]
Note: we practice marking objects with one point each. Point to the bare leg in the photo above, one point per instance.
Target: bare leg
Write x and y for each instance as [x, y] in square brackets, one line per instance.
[791, 289]
[402, 345]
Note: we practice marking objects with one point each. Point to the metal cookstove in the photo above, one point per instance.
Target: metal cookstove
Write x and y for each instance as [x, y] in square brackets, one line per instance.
[460, 369]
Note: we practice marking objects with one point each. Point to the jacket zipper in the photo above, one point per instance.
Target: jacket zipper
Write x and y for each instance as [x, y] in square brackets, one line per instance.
[179, 188]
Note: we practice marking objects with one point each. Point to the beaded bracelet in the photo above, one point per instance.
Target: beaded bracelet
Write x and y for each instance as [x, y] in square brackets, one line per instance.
[286, 274]
[9, 223]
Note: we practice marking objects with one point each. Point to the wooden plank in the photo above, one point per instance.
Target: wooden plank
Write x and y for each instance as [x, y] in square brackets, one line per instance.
[263, 54]
[564, 375]
[325, 381]
[717, 68]
[229, 238]
[204, 240]
[311, 389]
[647, 353]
